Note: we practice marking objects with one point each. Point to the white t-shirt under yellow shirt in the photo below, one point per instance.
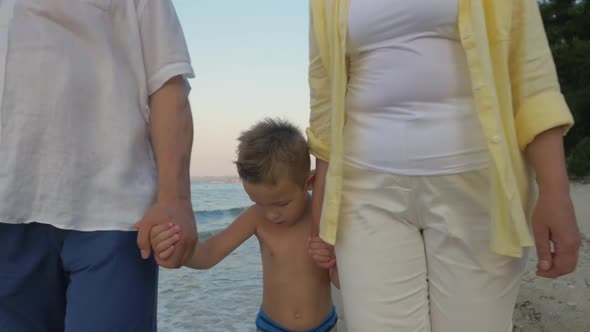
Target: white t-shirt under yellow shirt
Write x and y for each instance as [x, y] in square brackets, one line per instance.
[409, 103]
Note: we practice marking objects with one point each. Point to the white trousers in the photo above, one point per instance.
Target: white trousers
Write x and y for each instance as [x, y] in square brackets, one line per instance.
[414, 255]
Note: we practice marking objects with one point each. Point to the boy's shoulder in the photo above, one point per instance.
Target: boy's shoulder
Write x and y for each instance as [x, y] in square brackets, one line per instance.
[252, 210]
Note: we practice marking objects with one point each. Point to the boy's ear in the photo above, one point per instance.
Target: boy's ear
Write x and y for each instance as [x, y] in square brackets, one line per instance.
[310, 180]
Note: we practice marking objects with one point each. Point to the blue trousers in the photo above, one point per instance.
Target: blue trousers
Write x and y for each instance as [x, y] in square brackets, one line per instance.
[54, 280]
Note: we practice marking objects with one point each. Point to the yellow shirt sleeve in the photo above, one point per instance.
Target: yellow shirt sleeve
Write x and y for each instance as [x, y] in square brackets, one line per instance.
[319, 131]
[537, 100]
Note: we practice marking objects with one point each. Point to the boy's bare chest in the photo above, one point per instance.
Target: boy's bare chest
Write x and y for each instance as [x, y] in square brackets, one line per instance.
[286, 247]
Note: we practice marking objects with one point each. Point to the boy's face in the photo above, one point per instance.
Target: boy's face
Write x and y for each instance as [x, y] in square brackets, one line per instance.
[283, 203]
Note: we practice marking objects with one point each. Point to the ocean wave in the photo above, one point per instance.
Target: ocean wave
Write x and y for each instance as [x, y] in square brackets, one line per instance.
[215, 215]
[204, 235]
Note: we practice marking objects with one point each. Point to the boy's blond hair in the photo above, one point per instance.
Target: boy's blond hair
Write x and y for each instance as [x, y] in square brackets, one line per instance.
[271, 150]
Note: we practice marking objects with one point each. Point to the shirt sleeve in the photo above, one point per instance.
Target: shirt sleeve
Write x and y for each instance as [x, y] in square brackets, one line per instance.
[536, 95]
[163, 43]
[319, 131]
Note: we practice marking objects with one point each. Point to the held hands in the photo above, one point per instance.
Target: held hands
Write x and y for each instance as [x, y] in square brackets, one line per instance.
[321, 252]
[178, 212]
[163, 239]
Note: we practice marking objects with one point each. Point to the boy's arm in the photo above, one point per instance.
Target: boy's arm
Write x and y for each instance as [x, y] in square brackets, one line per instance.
[207, 254]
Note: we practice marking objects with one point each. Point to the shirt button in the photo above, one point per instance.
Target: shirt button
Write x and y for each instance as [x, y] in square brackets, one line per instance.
[497, 139]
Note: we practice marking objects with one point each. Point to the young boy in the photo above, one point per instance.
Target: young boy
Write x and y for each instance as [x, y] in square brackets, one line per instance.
[274, 166]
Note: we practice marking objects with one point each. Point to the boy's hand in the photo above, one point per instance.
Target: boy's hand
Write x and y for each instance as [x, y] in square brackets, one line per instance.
[163, 238]
[321, 252]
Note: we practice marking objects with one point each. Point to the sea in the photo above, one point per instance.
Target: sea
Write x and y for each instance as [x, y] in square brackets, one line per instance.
[226, 297]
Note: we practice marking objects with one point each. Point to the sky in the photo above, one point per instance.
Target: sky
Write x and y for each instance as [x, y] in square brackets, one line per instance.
[250, 60]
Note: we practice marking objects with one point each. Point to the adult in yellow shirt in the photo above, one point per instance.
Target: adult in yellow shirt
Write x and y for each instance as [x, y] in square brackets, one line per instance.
[430, 121]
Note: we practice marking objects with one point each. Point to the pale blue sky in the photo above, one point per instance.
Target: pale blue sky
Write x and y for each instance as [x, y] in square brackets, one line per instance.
[250, 59]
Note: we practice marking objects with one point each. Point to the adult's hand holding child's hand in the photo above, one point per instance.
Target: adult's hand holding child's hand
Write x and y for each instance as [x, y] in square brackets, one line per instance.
[178, 212]
[163, 239]
[321, 252]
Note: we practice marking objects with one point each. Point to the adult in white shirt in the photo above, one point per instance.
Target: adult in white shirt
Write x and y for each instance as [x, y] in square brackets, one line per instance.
[95, 135]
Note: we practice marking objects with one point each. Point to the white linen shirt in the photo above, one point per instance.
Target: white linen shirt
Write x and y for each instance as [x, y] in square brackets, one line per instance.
[75, 81]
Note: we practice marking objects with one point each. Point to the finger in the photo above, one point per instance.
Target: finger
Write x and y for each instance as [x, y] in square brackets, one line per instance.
[565, 258]
[164, 262]
[157, 230]
[543, 245]
[551, 273]
[165, 235]
[322, 258]
[175, 257]
[561, 265]
[310, 241]
[164, 245]
[313, 245]
[167, 253]
[316, 239]
[319, 245]
[143, 238]
[319, 240]
[328, 264]
[332, 263]
[322, 252]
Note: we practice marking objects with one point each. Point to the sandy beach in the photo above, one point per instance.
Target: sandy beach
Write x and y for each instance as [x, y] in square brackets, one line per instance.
[227, 297]
[555, 305]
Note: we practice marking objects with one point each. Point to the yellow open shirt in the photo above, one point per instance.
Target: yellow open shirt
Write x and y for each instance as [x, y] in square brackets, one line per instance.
[516, 91]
